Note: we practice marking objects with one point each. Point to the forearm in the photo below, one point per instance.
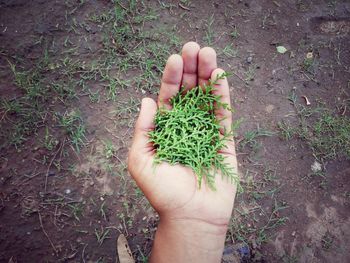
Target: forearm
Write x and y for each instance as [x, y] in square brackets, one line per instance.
[188, 241]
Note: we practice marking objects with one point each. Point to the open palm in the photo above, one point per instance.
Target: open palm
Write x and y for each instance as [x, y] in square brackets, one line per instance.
[173, 189]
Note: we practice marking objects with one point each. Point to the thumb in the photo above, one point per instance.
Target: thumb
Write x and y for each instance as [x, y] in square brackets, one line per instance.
[144, 124]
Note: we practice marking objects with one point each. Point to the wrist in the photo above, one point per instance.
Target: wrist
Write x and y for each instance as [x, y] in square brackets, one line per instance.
[200, 235]
[217, 227]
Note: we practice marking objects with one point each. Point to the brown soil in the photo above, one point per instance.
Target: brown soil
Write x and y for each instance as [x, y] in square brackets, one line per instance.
[37, 220]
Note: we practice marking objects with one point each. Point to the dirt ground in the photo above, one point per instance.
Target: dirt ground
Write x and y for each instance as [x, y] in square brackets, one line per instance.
[72, 76]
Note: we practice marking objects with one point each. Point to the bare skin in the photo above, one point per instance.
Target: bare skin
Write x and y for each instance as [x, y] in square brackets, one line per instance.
[193, 222]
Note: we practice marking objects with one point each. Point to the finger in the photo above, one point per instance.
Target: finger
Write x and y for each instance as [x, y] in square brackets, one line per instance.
[221, 89]
[144, 124]
[206, 64]
[190, 58]
[171, 80]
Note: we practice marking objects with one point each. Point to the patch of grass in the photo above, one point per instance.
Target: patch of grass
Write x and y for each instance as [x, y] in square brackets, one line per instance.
[250, 138]
[127, 45]
[229, 51]
[287, 131]
[209, 31]
[74, 127]
[329, 136]
[76, 210]
[249, 74]
[255, 223]
[327, 133]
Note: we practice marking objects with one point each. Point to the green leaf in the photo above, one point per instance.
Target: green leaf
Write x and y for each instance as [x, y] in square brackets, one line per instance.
[281, 49]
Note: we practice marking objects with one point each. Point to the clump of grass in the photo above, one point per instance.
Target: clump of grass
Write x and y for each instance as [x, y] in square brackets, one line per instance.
[327, 133]
[189, 134]
[329, 136]
[74, 127]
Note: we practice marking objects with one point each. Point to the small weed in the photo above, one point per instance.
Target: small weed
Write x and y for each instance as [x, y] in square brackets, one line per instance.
[292, 97]
[74, 127]
[249, 75]
[327, 241]
[309, 64]
[234, 34]
[327, 134]
[102, 210]
[94, 96]
[76, 210]
[209, 32]
[250, 138]
[229, 51]
[101, 235]
[49, 141]
[109, 149]
[286, 130]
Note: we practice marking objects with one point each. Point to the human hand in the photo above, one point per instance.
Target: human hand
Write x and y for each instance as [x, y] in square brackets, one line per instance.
[173, 189]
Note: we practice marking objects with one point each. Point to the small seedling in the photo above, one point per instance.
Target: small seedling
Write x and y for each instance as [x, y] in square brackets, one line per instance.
[189, 134]
[234, 34]
[101, 235]
[109, 149]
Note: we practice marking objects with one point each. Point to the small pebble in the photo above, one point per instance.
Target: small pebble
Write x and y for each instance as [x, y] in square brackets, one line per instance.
[249, 59]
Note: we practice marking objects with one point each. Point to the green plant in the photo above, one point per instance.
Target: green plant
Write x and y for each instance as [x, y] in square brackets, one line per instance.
[327, 241]
[249, 75]
[189, 133]
[250, 138]
[101, 235]
[76, 210]
[286, 130]
[109, 149]
[234, 34]
[49, 140]
[327, 133]
[229, 51]
[209, 32]
[73, 124]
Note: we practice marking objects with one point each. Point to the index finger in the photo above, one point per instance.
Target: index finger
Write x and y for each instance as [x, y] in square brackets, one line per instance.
[171, 80]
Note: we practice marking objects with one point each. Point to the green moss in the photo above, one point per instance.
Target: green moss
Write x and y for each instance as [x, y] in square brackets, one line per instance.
[189, 134]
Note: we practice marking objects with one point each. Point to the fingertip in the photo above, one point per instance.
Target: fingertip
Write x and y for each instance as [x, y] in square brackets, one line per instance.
[206, 64]
[191, 46]
[148, 102]
[147, 113]
[207, 54]
[217, 72]
[148, 107]
[174, 64]
[171, 80]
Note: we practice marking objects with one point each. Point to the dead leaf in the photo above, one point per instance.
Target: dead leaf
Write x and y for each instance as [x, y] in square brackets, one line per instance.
[124, 252]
